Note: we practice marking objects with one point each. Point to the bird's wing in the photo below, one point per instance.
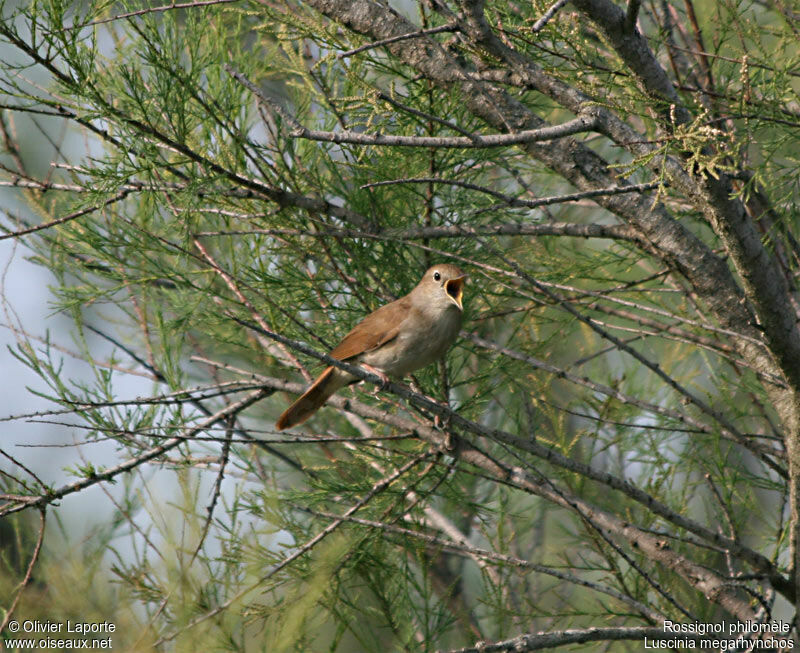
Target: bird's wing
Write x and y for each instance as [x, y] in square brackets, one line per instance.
[375, 330]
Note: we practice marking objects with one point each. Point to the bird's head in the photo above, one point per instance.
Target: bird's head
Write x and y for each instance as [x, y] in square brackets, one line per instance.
[445, 282]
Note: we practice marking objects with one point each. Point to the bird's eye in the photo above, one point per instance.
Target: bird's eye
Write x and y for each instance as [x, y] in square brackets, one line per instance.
[437, 276]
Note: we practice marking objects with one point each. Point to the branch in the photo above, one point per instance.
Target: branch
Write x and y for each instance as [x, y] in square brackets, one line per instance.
[67, 218]
[252, 187]
[556, 638]
[673, 242]
[631, 14]
[584, 123]
[37, 549]
[682, 335]
[635, 51]
[702, 579]
[518, 202]
[547, 15]
[765, 286]
[683, 251]
[140, 12]
[728, 427]
[196, 399]
[568, 229]
[576, 126]
[395, 39]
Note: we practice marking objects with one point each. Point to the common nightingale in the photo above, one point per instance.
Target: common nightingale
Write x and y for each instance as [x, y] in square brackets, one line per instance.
[394, 340]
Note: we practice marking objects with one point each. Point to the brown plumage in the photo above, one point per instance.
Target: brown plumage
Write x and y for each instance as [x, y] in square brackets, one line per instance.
[394, 340]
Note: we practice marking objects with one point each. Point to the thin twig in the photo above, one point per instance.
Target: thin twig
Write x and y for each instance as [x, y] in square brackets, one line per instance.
[551, 11]
[516, 201]
[196, 401]
[450, 416]
[256, 315]
[402, 37]
[424, 115]
[29, 571]
[463, 548]
[67, 218]
[140, 12]
[728, 428]
[217, 492]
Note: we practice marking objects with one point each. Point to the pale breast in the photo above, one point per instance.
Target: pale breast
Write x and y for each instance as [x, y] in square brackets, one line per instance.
[424, 337]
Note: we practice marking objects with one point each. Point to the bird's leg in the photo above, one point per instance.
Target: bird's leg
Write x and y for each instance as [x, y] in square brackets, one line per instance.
[374, 370]
[416, 387]
[444, 378]
[438, 422]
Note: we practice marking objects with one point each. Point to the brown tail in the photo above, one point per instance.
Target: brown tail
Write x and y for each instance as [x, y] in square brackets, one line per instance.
[310, 401]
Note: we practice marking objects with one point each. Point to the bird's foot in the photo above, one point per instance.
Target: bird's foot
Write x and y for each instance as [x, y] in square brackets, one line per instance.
[373, 370]
[448, 440]
[439, 423]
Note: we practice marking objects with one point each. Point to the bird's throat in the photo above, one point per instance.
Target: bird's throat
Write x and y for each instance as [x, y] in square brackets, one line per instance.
[455, 289]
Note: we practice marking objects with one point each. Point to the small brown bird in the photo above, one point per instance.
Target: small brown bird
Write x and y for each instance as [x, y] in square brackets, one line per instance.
[394, 340]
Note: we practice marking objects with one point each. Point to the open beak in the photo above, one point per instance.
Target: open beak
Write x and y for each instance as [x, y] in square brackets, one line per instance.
[455, 289]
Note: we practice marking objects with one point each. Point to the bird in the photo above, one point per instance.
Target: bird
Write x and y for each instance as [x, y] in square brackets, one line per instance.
[394, 340]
